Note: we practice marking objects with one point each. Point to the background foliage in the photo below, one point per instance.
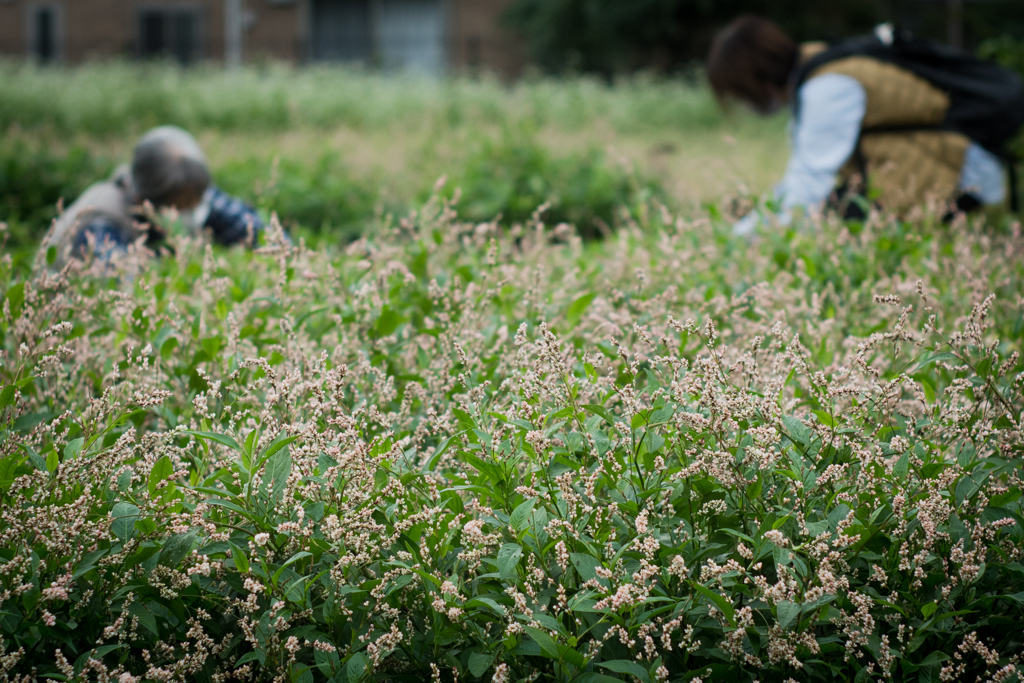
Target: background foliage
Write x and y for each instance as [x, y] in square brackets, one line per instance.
[609, 37]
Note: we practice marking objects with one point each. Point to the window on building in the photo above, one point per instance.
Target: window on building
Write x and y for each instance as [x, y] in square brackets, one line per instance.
[169, 33]
[43, 29]
[395, 34]
[341, 30]
[411, 35]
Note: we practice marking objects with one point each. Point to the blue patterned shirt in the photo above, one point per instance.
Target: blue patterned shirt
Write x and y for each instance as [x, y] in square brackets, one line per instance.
[229, 218]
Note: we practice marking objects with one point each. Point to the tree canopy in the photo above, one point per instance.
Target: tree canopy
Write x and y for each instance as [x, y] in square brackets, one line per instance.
[611, 36]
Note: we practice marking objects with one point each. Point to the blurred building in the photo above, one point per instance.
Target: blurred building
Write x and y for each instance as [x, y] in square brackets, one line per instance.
[432, 36]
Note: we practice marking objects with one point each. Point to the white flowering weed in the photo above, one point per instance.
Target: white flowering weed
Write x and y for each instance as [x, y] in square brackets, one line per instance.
[453, 452]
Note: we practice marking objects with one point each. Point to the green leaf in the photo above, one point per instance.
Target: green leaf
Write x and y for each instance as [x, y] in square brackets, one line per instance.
[586, 565]
[7, 396]
[52, 461]
[1016, 597]
[123, 524]
[548, 646]
[816, 529]
[219, 438]
[88, 562]
[282, 440]
[578, 307]
[329, 663]
[162, 470]
[145, 526]
[935, 657]
[824, 418]
[431, 462]
[521, 515]
[1004, 499]
[176, 548]
[26, 422]
[388, 322]
[145, 617]
[295, 558]
[508, 561]
[787, 612]
[797, 430]
[721, 603]
[8, 467]
[167, 348]
[356, 667]
[902, 466]
[73, 448]
[597, 678]
[624, 666]
[929, 609]
[479, 663]
[304, 675]
[929, 673]
[601, 411]
[489, 604]
[16, 296]
[241, 561]
[967, 488]
[279, 466]
[231, 506]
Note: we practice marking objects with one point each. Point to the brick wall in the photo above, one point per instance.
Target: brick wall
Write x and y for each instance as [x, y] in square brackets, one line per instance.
[277, 29]
[478, 39]
[12, 28]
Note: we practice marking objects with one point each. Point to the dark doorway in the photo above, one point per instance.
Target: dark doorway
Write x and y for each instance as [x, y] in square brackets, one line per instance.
[170, 33]
[341, 30]
[44, 34]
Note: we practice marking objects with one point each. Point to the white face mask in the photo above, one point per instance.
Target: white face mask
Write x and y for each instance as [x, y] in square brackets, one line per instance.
[190, 221]
[196, 218]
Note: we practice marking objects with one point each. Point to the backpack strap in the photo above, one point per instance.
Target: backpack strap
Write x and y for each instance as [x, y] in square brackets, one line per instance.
[1012, 163]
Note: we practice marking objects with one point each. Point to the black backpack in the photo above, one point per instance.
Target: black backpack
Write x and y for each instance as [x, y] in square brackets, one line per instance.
[986, 99]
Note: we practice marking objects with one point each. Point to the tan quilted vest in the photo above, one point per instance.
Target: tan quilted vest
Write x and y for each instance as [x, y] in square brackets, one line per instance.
[111, 199]
[905, 169]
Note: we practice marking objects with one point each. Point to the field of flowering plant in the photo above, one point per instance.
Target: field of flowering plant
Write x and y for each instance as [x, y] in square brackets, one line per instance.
[458, 452]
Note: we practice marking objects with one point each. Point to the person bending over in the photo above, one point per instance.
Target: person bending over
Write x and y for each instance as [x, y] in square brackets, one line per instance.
[169, 171]
[856, 118]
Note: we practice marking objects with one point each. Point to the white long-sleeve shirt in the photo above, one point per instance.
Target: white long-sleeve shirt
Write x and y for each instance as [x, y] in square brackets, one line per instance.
[832, 109]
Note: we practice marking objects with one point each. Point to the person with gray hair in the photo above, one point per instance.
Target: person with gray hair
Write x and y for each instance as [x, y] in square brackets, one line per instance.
[169, 172]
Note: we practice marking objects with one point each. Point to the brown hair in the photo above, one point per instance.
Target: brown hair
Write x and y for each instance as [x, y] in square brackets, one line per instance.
[750, 60]
[169, 168]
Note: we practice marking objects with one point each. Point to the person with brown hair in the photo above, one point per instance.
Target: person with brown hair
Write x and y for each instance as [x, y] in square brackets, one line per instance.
[859, 117]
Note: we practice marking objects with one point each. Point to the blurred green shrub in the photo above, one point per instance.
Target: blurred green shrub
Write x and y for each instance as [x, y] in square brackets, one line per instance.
[34, 178]
[118, 98]
[321, 195]
[1006, 50]
[514, 175]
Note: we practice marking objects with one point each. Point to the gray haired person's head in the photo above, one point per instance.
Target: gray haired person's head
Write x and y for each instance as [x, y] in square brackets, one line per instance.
[169, 168]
